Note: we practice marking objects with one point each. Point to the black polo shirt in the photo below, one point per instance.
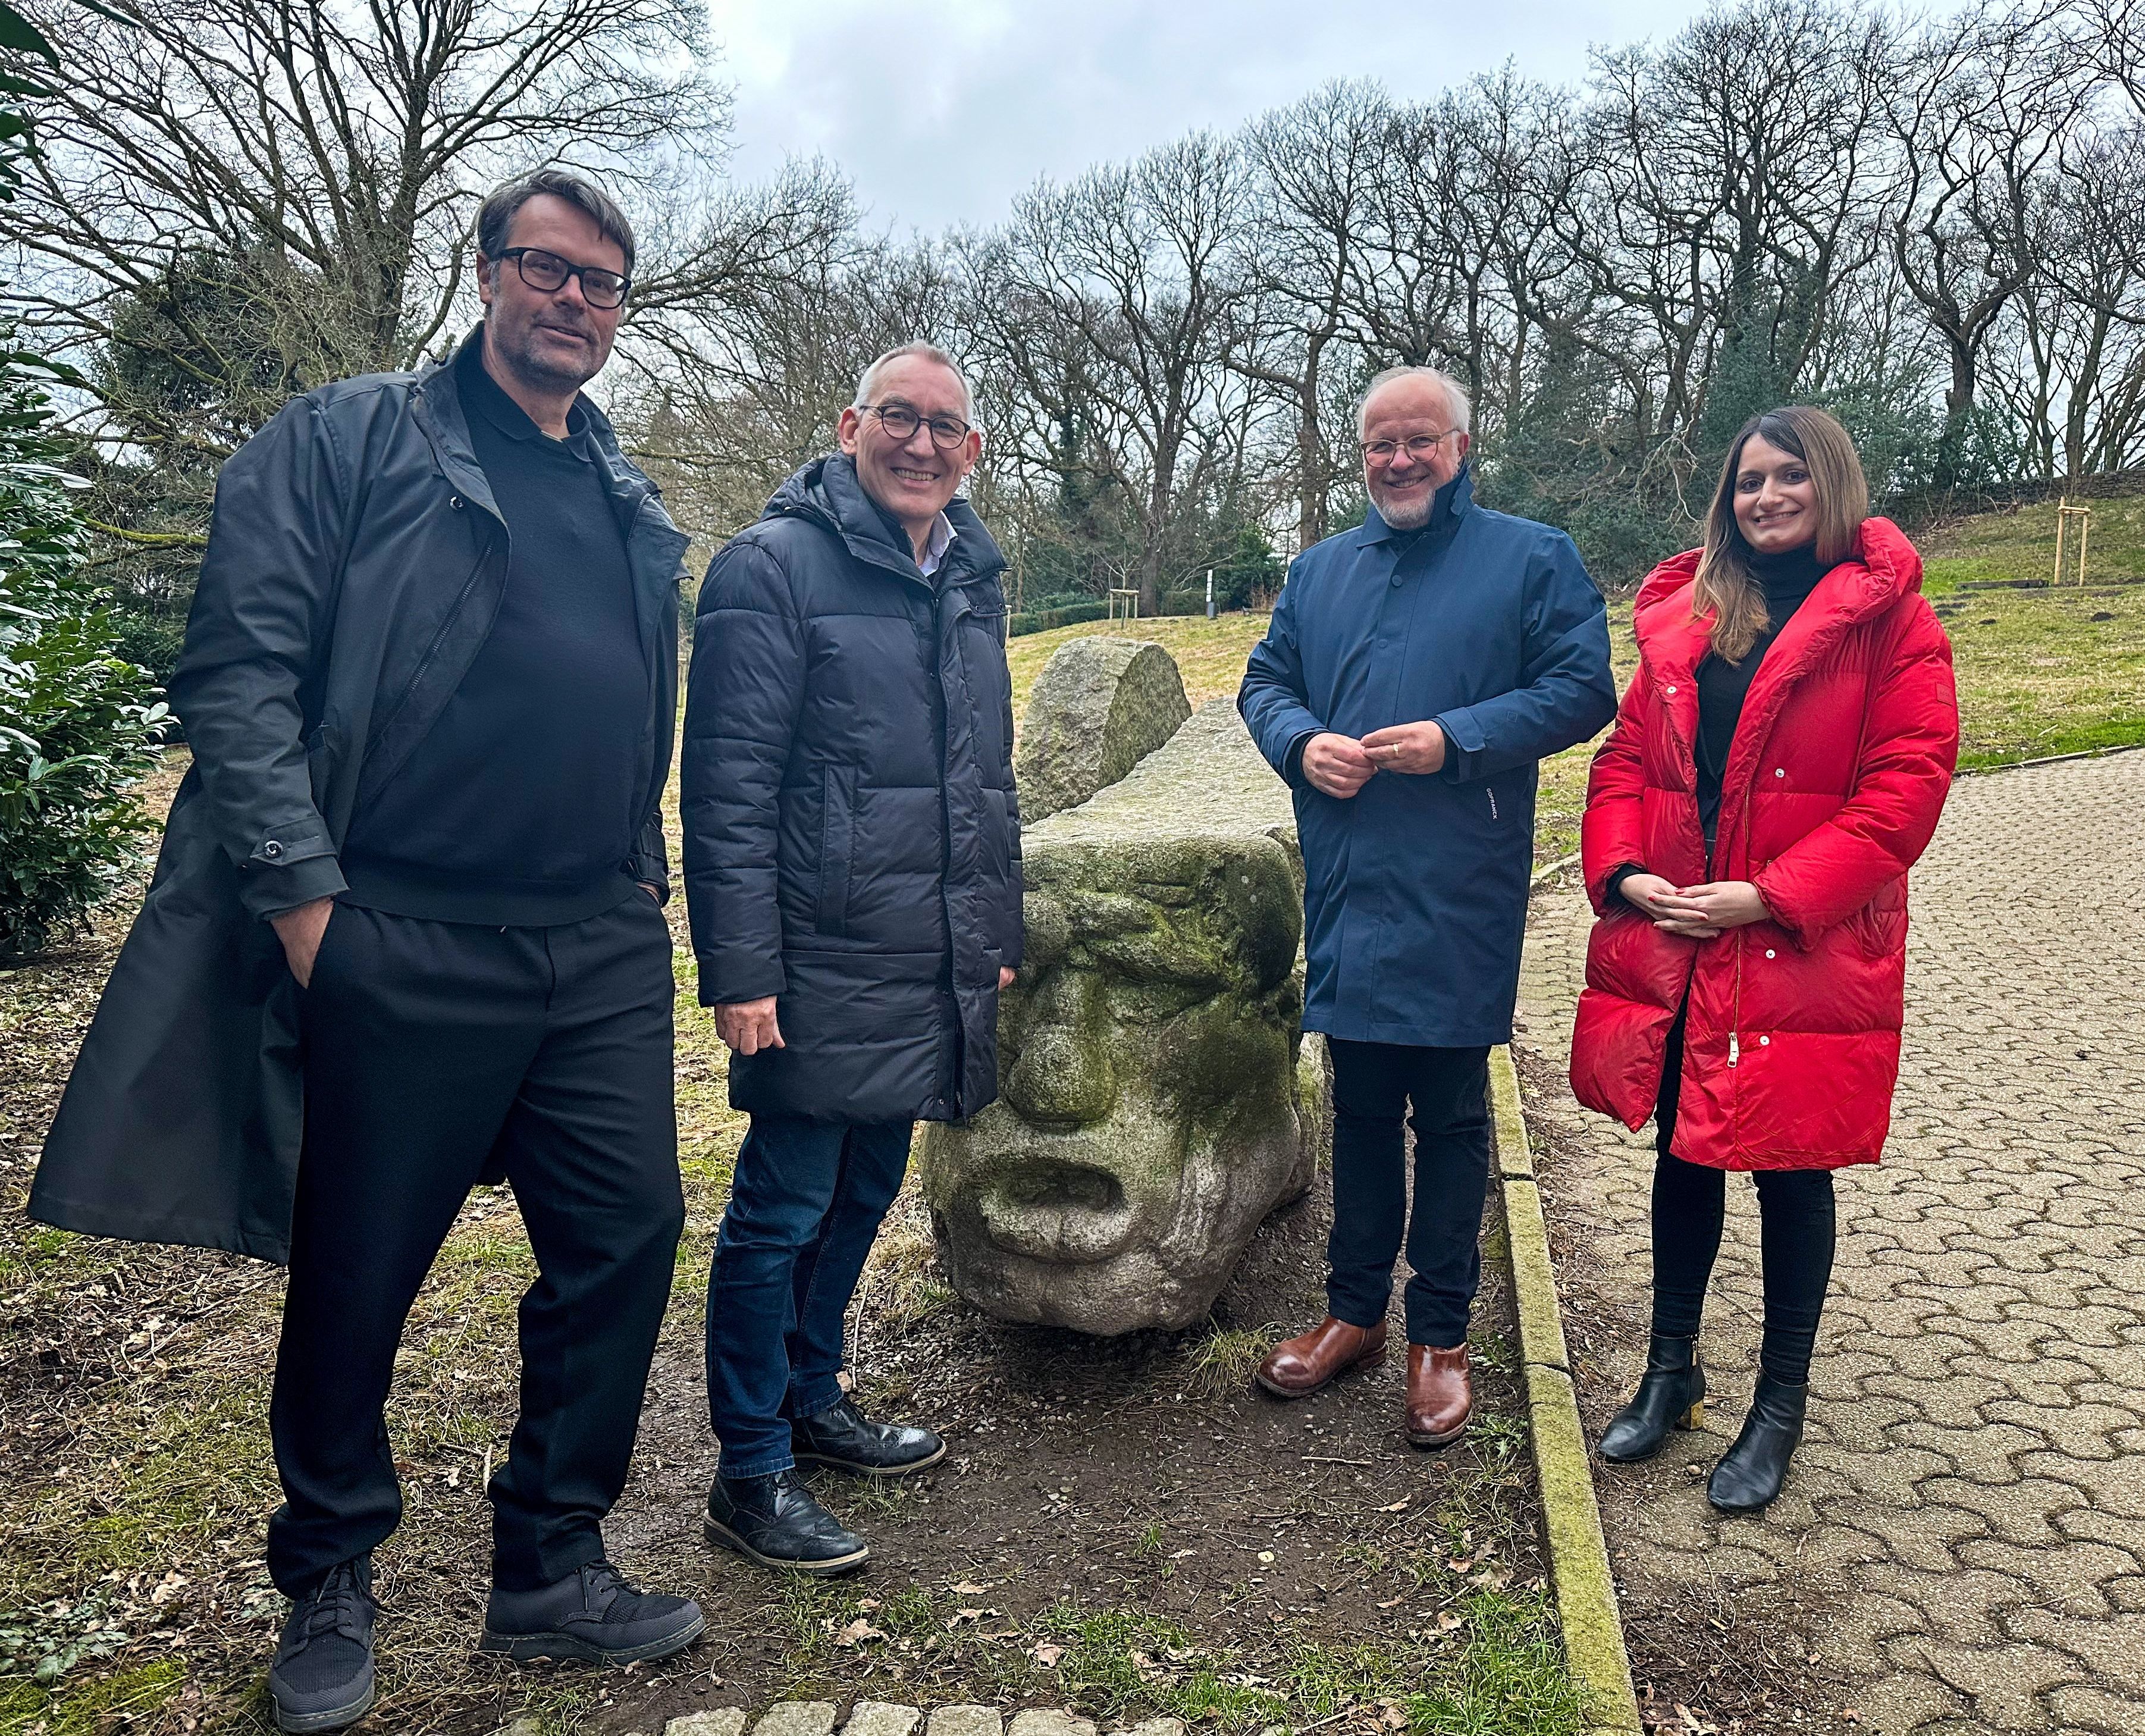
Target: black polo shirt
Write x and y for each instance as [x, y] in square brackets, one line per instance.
[519, 807]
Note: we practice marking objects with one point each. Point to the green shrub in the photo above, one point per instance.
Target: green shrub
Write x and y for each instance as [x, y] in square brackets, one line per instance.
[79, 724]
[1041, 620]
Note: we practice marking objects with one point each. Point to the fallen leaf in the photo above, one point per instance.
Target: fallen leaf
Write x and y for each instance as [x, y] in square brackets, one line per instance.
[1390, 1603]
[858, 1633]
[1045, 1653]
[968, 1587]
[1396, 1507]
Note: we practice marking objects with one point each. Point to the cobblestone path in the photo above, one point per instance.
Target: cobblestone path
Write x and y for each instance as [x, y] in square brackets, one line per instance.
[1966, 1524]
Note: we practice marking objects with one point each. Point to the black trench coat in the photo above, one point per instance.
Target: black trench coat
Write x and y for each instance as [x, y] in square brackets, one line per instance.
[852, 836]
[355, 562]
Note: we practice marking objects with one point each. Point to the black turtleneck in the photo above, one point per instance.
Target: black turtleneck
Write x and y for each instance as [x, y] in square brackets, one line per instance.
[1787, 579]
[518, 807]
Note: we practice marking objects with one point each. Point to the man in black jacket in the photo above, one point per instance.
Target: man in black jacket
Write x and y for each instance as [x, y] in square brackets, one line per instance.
[853, 873]
[429, 681]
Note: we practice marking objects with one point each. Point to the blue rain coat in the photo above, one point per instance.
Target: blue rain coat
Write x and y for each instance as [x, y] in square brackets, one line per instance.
[1416, 889]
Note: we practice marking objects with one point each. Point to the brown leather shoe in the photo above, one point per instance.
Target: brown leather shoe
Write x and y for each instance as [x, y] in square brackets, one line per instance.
[1440, 1394]
[1297, 1367]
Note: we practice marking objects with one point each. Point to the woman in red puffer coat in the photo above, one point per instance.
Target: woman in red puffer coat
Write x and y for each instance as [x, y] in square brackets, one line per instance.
[1777, 766]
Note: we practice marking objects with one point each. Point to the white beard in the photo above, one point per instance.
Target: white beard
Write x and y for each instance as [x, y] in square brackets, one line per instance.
[1406, 517]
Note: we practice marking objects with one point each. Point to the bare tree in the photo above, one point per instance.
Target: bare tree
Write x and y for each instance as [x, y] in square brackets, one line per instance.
[271, 177]
[1136, 261]
[1316, 163]
[1977, 113]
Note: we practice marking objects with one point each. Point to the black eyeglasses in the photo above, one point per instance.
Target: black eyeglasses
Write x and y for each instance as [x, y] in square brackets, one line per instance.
[901, 422]
[1380, 452]
[548, 272]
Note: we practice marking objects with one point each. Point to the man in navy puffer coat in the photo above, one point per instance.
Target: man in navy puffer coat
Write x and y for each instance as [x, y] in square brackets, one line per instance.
[1415, 669]
[853, 873]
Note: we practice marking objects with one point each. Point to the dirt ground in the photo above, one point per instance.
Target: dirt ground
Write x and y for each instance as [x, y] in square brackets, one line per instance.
[1120, 1525]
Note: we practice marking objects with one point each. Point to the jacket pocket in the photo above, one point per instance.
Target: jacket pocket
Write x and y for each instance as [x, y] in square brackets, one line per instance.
[837, 834]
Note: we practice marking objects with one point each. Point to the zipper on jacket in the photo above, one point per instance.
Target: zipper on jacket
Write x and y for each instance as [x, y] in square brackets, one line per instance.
[1492, 789]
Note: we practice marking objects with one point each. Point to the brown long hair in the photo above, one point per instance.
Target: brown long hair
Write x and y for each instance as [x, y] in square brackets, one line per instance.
[1726, 588]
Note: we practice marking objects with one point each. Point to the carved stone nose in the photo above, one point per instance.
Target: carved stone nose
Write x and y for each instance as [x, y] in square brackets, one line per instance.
[1059, 1079]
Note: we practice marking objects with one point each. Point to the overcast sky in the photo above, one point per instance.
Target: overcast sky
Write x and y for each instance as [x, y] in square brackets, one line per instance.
[942, 113]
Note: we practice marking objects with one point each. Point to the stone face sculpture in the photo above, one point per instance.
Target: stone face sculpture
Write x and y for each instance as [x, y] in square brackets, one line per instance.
[1156, 1098]
[1101, 705]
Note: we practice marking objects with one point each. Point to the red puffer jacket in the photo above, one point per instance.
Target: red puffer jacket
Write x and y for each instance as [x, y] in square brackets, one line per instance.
[1841, 761]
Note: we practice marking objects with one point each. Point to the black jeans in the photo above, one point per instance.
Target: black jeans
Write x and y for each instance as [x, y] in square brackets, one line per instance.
[1795, 1240]
[1374, 1086]
[431, 1048]
[805, 1206]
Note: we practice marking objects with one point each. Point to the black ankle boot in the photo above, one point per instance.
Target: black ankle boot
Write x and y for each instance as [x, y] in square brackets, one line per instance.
[775, 1521]
[1751, 1473]
[1671, 1395]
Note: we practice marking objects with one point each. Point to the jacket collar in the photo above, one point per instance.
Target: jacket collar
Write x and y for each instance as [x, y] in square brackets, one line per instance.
[1447, 507]
[435, 402]
[1883, 568]
[827, 492]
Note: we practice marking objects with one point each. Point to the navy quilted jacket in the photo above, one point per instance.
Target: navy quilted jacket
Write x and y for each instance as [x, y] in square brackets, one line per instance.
[852, 837]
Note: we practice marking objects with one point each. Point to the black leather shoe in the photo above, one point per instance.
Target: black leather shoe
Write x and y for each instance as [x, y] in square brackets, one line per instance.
[593, 1616]
[1671, 1395]
[774, 1520]
[1751, 1472]
[322, 1678]
[843, 1436]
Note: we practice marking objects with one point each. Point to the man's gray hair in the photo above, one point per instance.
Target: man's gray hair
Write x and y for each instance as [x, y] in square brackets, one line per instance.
[495, 221]
[1455, 393]
[868, 384]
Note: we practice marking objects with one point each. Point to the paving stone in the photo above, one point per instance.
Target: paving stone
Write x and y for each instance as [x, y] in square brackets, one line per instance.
[877, 1718]
[1978, 1421]
[796, 1717]
[716, 1721]
[1155, 1726]
[965, 1721]
[1049, 1723]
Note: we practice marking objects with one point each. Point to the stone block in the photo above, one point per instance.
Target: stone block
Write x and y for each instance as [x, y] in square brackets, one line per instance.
[1101, 705]
[1158, 1098]
[877, 1718]
[796, 1717]
[1049, 1723]
[965, 1721]
[715, 1721]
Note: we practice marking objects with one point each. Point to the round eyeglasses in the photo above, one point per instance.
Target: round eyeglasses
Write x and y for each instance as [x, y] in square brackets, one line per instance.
[901, 421]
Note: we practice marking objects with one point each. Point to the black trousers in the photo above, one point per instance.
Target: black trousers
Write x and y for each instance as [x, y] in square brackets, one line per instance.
[430, 1048]
[1375, 1085]
[1796, 1237]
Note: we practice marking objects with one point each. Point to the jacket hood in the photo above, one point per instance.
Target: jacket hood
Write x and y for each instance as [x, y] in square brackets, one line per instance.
[828, 492]
[1883, 568]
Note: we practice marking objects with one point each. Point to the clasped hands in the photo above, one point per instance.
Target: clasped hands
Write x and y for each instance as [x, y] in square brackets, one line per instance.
[1697, 912]
[747, 1027]
[1340, 765]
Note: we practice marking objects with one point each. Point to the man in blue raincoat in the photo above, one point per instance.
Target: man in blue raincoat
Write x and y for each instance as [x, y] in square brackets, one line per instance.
[1416, 670]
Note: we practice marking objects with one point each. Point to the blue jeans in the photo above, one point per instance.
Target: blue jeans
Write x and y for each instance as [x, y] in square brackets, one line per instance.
[807, 1200]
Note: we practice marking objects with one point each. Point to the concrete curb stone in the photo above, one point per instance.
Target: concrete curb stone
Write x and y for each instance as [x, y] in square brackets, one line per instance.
[1580, 1577]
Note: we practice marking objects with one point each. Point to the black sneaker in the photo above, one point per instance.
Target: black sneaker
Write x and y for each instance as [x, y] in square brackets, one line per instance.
[592, 1615]
[774, 1520]
[322, 1678]
[843, 1436]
